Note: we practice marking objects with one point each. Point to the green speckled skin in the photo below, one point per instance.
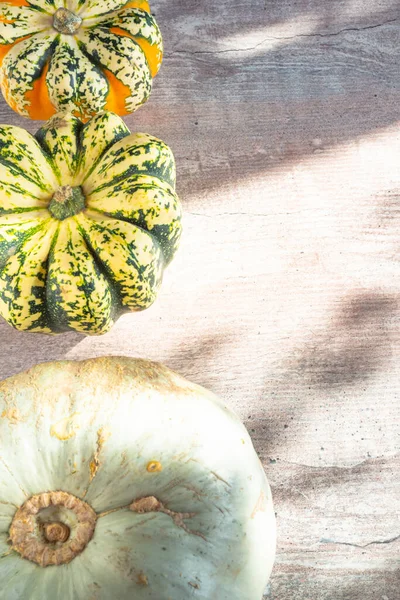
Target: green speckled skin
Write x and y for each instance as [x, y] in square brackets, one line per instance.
[92, 429]
[81, 271]
[97, 56]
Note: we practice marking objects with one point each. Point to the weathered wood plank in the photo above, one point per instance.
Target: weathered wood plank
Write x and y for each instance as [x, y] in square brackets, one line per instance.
[284, 298]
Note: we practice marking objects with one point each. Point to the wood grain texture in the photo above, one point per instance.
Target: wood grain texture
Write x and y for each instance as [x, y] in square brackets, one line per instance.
[284, 298]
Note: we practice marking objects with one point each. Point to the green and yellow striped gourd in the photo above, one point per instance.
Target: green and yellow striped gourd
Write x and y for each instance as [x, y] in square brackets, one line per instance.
[78, 56]
[88, 220]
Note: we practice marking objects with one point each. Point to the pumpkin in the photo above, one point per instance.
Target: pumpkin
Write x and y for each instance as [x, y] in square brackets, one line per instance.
[88, 220]
[120, 479]
[80, 56]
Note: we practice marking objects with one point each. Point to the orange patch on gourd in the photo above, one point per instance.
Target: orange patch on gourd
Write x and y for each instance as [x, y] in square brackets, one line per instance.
[40, 106]
[152, 52]
[118, 92]
[82, 112]
[142, 4]
[6, 21]
[153, 55]
[4, 49]
[18, 2]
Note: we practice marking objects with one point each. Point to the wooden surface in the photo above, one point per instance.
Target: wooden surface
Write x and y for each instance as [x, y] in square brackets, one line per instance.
[284, 298]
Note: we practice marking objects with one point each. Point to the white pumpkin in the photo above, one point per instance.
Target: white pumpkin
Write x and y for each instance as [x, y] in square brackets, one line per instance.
[121, 480]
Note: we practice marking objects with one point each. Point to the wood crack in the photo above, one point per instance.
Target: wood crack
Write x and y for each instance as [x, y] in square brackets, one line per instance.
[374, 542]
[322, 467]
[251, 214]
[342, 467]
[278, 38]
[335, 33]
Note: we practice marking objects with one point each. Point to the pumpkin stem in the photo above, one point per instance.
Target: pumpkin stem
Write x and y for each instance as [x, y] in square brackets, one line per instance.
[56, 532]
[52, 528]
[66, 202]
[65, 21]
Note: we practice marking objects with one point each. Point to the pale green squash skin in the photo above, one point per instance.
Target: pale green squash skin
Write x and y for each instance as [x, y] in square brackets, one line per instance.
[49, 424]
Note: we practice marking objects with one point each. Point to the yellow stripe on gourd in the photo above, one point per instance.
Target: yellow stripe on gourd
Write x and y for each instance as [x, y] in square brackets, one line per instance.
[13, 225]
[118, 159]
[155, 199]
[14, 201]
[72, 272]
[59, 135]
[99, 133]
[23, 272]
[27, 167]
[130, 255]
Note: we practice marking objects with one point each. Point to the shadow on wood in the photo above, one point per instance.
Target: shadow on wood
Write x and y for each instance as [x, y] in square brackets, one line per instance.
[356, 344]
[322, 80]
[20, 350]
[196, 361]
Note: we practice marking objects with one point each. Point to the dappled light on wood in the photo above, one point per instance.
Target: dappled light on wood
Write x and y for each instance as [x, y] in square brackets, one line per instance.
[284, 296]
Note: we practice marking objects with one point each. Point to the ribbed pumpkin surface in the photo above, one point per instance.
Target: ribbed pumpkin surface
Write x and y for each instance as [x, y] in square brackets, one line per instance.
[89, 219]
[85, 58]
